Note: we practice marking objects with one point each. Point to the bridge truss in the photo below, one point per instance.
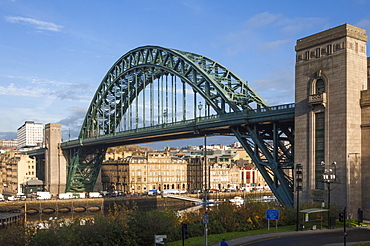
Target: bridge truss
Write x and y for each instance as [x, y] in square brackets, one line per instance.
[151, 90]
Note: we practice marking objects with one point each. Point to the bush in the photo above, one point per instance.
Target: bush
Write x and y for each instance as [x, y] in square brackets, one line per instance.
[129, 226]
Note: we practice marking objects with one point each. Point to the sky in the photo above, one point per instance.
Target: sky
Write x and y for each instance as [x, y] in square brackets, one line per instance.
[54, 54]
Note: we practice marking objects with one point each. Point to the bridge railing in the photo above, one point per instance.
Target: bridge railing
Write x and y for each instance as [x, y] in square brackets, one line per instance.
[198, 120]
[277, 107]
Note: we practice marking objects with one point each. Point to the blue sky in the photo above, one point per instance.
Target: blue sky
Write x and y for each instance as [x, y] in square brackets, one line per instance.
[54, 54]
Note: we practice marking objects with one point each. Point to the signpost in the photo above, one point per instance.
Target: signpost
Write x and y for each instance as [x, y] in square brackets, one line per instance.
[158, 239]
[205, 219]
[272, 214]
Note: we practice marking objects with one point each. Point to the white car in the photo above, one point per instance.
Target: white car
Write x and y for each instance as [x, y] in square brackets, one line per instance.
[13, 198]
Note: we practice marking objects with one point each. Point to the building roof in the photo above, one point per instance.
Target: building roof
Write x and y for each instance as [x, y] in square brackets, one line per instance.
[313, 210]
[33, 182]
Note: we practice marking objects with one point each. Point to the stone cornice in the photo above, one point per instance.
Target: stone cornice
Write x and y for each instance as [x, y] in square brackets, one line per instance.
[342, 31]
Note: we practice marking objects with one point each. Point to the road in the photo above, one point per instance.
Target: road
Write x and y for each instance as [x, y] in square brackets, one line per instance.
[355, 235]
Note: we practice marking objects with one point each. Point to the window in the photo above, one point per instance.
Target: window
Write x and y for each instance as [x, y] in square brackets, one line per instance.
[320, 86]
[329, 49]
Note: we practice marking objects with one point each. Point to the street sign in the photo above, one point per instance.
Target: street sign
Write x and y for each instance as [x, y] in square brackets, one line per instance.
[158, 239]
[272, 214]
[205, 218]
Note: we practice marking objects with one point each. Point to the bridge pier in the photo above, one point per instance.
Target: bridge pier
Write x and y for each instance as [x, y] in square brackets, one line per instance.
[331, 72]
[55, 161]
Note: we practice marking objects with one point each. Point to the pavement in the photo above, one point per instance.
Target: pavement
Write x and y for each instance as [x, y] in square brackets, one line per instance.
[245, 240]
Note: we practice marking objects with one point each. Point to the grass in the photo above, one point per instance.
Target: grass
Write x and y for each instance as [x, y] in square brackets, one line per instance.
[216, 238]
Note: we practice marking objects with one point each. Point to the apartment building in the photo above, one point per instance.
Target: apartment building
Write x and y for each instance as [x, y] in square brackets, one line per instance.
[30, 135]
[8, 144]
[15, 169]
[141, 173]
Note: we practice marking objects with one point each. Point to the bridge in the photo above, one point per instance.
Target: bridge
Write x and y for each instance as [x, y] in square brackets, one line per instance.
[157, 94]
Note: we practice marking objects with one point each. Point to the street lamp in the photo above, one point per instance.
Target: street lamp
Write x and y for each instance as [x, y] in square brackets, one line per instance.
[165, 115]
[200, 107]
[329, 175]
[205, 220]
[299, 180]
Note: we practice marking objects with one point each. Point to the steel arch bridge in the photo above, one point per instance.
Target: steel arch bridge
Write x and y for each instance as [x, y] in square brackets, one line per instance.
[153, 94]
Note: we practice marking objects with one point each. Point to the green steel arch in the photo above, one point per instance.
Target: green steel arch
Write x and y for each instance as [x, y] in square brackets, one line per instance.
[269, 144]
[215, 83]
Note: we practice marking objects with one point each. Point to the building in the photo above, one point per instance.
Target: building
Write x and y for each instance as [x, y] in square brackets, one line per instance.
[8, 144]
[30, 135]
[250, 178]
[223, 176]
[195, 173]
[16, 168]
[223, 172]
[141, 173]
[332, 117]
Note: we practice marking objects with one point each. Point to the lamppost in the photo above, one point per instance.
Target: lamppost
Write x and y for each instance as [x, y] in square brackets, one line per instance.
[165, 114]
[200, 107]
[205, 216]
[329, 176]
[298, 179]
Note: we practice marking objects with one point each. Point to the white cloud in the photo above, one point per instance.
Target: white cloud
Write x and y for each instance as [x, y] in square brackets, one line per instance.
[193, 5]
[12, 90]
[253, 32]
[261, 20]
[41, 25]
[364, 23]
[273, 45]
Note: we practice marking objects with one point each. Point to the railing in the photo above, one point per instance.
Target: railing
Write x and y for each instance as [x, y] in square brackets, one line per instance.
[194, 122]
[317, 99]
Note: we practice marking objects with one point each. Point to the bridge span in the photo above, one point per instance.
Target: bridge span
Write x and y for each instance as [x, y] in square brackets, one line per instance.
[154, 93]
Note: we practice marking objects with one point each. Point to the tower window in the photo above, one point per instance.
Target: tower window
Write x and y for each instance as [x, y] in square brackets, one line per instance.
[320, 86]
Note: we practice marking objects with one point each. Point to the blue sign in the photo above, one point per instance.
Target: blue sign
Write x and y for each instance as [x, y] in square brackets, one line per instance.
[272, 214]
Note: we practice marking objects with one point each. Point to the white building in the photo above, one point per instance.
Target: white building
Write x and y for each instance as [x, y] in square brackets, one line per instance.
[30, 134]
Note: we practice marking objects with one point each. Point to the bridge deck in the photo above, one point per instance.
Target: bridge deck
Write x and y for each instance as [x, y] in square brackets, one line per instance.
[188, 129]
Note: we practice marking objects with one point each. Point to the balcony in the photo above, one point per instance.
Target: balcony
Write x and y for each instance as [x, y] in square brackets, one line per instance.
[317, 99]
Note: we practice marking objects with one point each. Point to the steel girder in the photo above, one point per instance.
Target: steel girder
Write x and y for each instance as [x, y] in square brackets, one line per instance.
[270, 147]
[136, 69]
[84, 167]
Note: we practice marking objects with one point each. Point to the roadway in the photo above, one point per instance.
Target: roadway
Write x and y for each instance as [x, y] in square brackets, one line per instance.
[323, 237]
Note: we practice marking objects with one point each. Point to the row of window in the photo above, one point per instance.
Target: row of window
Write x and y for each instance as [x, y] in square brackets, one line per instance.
[320, 51]
[159, 179]
[158, 167]
[167, 173]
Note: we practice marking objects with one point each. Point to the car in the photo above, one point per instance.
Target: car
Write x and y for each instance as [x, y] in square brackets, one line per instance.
[13, 198]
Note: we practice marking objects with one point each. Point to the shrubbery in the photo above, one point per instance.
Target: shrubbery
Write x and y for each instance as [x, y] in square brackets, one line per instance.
[129, 226]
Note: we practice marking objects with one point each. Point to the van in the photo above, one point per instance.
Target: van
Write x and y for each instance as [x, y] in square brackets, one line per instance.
[65, 195]
[94, 195]
[43, 195]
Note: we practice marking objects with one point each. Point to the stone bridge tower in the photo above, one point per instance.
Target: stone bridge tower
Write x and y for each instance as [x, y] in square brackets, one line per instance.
[331, 77]
[55, 162]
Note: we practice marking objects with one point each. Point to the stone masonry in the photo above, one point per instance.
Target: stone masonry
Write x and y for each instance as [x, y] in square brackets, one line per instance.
[331, 76]
[56, 168]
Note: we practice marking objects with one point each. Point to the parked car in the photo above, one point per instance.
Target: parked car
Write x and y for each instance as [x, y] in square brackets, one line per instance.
[13, 198]
[43, 195]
